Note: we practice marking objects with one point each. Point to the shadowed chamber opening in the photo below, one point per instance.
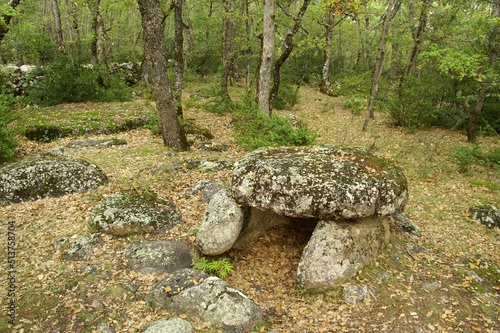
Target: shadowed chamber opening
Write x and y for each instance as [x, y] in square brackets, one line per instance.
[271, 260]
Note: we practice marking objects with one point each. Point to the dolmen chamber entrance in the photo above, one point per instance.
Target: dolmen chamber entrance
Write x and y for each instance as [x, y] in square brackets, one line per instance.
[350, 193]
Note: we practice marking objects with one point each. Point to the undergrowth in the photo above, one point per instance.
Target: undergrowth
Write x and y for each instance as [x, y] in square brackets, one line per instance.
[8, 141]
[254, 130]
[467, 156]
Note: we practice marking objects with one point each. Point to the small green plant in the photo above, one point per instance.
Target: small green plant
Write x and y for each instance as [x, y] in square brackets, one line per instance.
[222, 267]
[355, 103]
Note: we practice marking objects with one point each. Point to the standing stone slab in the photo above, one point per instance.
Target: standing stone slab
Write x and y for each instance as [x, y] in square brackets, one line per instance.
[323, 182]
[47, 176]
[206, 297]
[338, 249]
[131, 212]
[159, 257]
[221, 225]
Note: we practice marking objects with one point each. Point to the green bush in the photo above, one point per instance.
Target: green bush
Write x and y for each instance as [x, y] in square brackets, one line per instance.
[254, 130]
[286, 98]
[8, 141]
[66, 80]
[466, 157]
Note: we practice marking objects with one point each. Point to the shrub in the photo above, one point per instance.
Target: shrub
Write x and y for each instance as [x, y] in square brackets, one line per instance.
[286, 98]
[466, 157]
[66, 80]
[254, 130]
[8, 141]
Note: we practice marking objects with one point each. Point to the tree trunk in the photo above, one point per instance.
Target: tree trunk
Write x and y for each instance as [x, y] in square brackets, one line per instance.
[248, 50]
[178, 55]
[95, 35]
[57, 25]
[419, 32]
[266, 58]
[5, 19]
[286, 53]
[493, 55]
[154, 44]
[392, 9]
[325, 86]
[227, 37]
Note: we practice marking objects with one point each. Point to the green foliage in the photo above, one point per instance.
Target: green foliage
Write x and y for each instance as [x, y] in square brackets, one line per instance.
[415, 105]
[286, 98]
[357, 83]
[67, 80]
[222, 267]
[356, 103]
[8, 141]
[466, 157]
[254, 130]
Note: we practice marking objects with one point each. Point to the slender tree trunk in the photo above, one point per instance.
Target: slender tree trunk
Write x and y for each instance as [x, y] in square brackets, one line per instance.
[227, 38]
[57, 25]
[94, 31]
[392, 9]
[178, 55]
[417, 38]
[102, 43]
[207, 40]
[154, 44]
[6, 18]
[248, 45]
[325, 86]
[493, 46]
[266, 59]
[287, 51]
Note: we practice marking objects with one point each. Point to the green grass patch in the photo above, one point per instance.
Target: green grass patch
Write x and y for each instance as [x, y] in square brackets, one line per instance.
[47, 124]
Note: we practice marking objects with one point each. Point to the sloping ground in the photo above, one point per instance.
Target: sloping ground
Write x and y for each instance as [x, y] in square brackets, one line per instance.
[58, 296]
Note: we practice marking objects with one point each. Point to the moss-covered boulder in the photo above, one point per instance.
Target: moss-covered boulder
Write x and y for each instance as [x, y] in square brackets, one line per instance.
[106, 143]
[132, 212]
[209, 298]
[323, 182]
[159, 257]
[49, 176]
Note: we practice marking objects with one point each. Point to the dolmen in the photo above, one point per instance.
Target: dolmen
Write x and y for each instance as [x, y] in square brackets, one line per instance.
[348, 193]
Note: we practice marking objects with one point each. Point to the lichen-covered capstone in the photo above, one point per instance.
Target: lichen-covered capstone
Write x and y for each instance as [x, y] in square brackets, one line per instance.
[324, 182]
[48, 176]
[131, 212]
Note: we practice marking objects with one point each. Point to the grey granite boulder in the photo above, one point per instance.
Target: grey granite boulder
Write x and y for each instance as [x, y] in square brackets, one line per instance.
[159, 257]
[199, 186]
[209, 191]
[323, 182]
[221, 224]
[338, 249]
[487, 215]
[52, 175]
[206, 297]
[106, 143]
[132, 212]
[174, 325]
[354, 294]
[81, 247]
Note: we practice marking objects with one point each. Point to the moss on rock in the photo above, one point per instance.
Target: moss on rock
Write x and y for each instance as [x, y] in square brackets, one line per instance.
[133, 212]
[323, 182]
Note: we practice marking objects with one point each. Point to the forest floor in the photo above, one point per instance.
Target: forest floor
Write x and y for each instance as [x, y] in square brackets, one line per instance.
[54, 295]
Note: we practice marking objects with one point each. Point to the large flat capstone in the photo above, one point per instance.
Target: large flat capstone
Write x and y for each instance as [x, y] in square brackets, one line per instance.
[323, 182]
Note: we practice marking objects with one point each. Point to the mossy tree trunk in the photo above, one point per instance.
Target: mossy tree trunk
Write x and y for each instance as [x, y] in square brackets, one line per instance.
[154, 44]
